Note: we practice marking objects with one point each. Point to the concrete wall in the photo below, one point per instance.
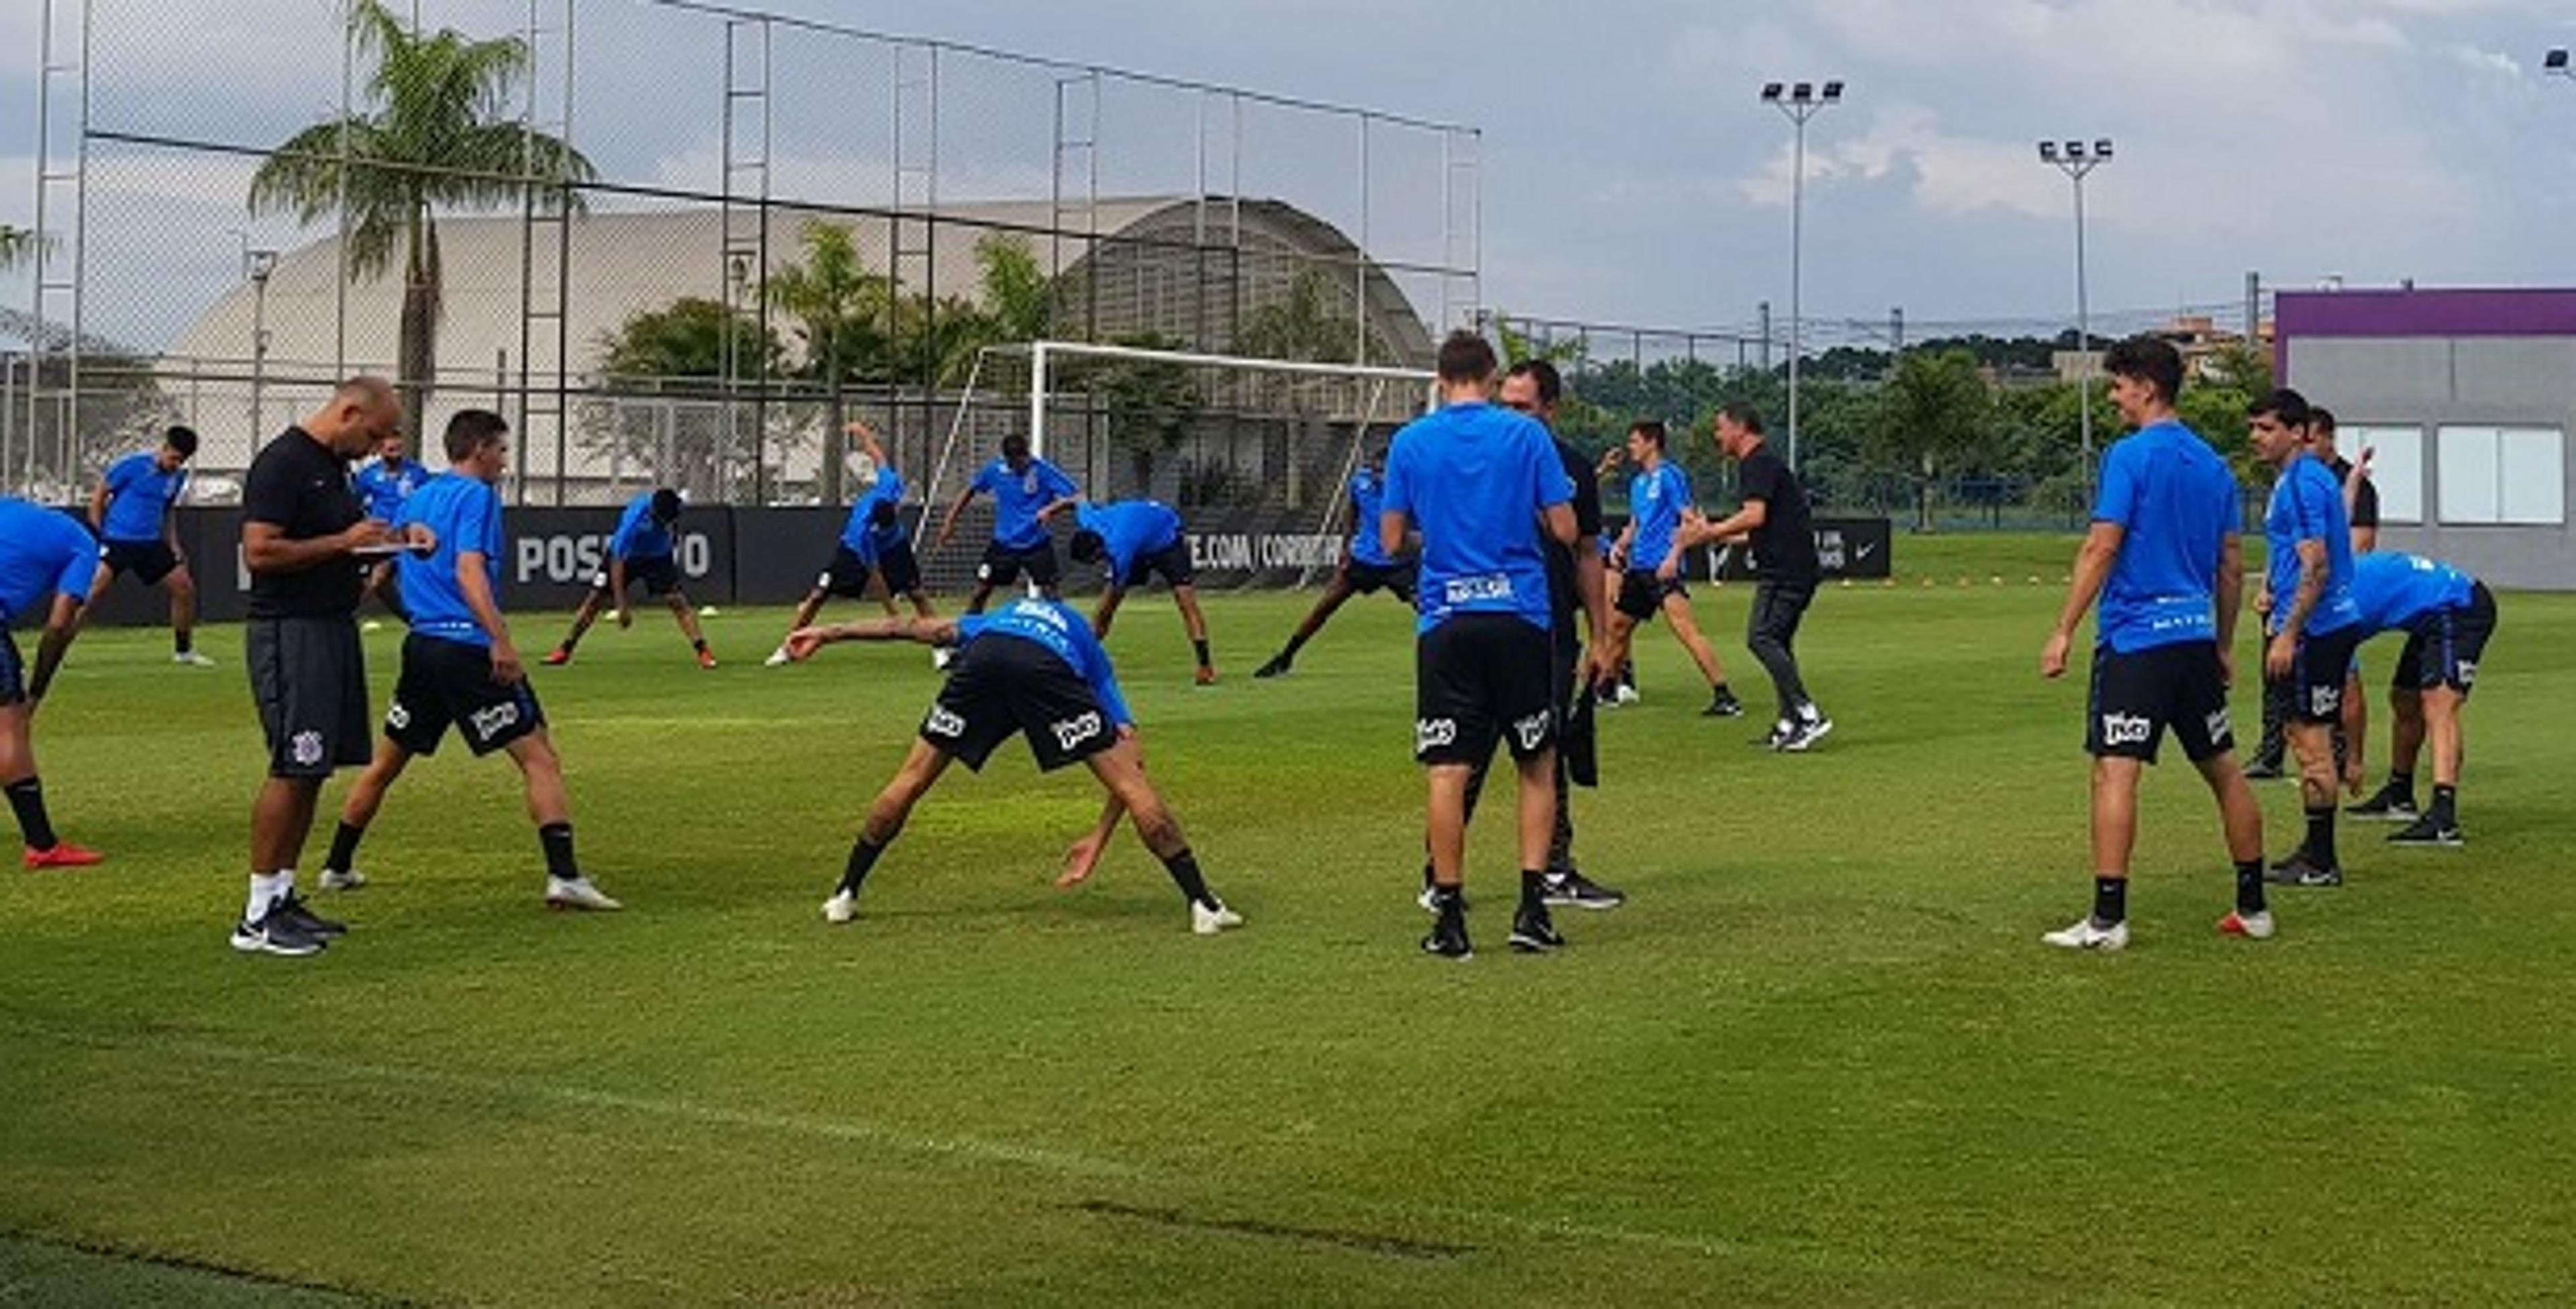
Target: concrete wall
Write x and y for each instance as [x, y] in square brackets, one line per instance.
[2431, 381]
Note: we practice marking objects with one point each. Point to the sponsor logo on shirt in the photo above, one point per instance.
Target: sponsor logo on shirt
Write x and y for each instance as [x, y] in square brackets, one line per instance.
[1470, 590]
[2123, 729]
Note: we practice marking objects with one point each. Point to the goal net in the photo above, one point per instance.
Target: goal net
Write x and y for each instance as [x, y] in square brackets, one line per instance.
[1256, 454]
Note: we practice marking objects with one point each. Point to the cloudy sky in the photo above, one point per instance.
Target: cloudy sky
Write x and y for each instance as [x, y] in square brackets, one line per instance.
[1629, 175]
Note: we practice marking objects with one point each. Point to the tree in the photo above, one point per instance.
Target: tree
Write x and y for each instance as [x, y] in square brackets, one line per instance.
[1300, 326]
[1933, 411]
[17, 246]
[1019, 299]
[840, 311]
[435, 134]
[676, 353]
[1148, 405]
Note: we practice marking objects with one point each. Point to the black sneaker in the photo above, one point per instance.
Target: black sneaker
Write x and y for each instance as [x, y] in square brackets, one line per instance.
[1533, 931]
[2302, 870]
[2388, 805]
[1448, 939]
[1277, 666]
[2428, 830]
[1580, 892]
[1723, 705]
[275, 935]
[1430, 899]
[291, 908]
[2264, 770]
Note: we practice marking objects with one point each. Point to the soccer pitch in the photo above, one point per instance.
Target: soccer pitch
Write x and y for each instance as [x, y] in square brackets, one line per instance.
[1820, 1057]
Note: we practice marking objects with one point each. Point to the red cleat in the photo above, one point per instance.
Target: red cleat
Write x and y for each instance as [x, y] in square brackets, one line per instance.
[557, 657]
[706, 659]
[2253, 927]
[1207, 677]
[63, 855]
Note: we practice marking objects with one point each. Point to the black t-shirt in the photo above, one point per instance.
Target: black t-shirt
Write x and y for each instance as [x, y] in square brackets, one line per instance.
[1561, 591]
[2365, 504]
[1784, 546]
[299, 487]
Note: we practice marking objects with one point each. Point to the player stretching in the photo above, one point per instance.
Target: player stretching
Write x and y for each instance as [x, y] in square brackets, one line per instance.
[2163, 558]
[1365, 569]
[2307, 598]
[1021, 485]
[1031, 667]
[1648, 559]
[43, 553]
[1476, 482]
[383, 486]
[131, 511]
[459, 668]
[641, 550]
[1137, 539]
[2447, 616]
[872, 541]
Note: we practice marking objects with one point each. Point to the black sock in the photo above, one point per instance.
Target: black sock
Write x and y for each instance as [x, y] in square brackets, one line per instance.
[698, 643]
[182, 640]
[2249, 886]
[27, 797]
[1202, 648]
[1533, 890]
[571, 639]
[863, 856]
[2446, 804]
[1184, 868]
[344, 847]
[2401, 785]
[557, 839]
[2110, 900]
[1719, 692]
[2321, 836]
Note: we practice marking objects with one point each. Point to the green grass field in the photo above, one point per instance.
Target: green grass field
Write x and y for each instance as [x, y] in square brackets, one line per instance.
[1821, 1056]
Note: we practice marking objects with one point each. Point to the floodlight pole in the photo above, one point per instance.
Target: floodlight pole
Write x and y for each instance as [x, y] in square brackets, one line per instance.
[2076, 160]
[1798, 103]
[257, 265]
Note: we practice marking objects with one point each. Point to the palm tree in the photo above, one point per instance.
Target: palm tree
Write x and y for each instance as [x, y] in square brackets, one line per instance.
[17, 245]
[839, 310]
[435, 134]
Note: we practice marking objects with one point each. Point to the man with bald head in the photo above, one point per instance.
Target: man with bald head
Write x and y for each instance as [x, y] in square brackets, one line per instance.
[308, 544]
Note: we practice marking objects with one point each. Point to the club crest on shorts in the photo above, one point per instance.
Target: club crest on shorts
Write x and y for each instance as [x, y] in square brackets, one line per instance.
[306, 747]
[2124, 729]
[942, 722]
[1074, 731]
[1431, 733]
[1531, 730]
[397, 716]
[492, 721]
[2467, 670]
[2324, 701]
[2217, 725]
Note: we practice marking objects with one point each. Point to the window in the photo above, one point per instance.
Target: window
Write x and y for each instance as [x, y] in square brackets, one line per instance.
[2396, 467]
[2515, 475]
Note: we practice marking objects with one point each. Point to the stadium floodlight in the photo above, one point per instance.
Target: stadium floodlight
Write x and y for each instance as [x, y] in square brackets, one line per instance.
[1800, 104]
[2075, 159]
[2555, 61]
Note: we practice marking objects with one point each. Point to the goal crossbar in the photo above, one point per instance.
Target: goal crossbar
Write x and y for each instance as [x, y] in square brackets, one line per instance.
[1040, 352]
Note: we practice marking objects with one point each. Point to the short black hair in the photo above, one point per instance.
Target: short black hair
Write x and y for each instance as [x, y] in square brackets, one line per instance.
[2320, 419]
[1650, 428]
[1015, 446]
[182, 439]
[1551, 384]
[2148, 359]
[882, 515]
[1742, 415]
[666, 506]
[1086, 547]
[1466, 357]
[471, 430]
[2283, 404]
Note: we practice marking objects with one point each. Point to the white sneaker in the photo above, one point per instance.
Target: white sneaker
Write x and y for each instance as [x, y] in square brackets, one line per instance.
[2253, 927]
[1807, 733]
[2085, 936]
[193, 659]
[776, 657]
[1206, 921]
[342, 879]
[1626, 695]
[939, 658]
[841, 908]
[577, 893]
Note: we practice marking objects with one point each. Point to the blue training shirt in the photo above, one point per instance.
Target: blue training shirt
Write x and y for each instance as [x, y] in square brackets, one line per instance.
[2175, 502]
[43, 552]
[1655, 504]
[1017, 498]
[384, 489]
[465, 514]
[1056, 626]
[1368, 500]
[1474, 479]
[2391, 590]
[1130, 530]
[2307, 505]
[861, 538]
[139, 496]
[637, 535]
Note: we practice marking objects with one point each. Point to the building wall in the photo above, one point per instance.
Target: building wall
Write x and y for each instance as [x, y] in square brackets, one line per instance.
[2431, 382]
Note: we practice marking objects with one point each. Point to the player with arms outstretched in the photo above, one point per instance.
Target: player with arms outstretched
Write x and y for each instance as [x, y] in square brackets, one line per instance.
[873, 544]
[1022, 486]
[1365, 568]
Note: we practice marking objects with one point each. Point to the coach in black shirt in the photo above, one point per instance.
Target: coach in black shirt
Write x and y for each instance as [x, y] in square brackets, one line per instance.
[302, 537]
[1786, 571]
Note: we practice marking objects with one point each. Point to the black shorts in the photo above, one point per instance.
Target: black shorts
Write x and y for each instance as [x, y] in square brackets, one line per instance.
[309, 679]
[660, 575]
[449, 684]
[2318, 673]
[1002, 565]
[2443, 648]
[846, 576]
[2136, 696]
[1000, 684]
[1641, 593]
[1477, 677]
[13, 670]
[1172, 562]
[1369, 579]
[900, 569]
[148, 560]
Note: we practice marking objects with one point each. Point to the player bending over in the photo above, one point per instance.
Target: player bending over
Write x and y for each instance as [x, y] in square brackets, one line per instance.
[1135, 540]
[641, 550]
[43, 554]
[131, 511]
[2447, 616]
[1032, 667]
[459, 668]
[1366, 568]
[872, 542]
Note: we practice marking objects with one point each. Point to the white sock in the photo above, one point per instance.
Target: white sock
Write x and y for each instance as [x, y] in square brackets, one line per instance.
[1810, 712]
[265, 888]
